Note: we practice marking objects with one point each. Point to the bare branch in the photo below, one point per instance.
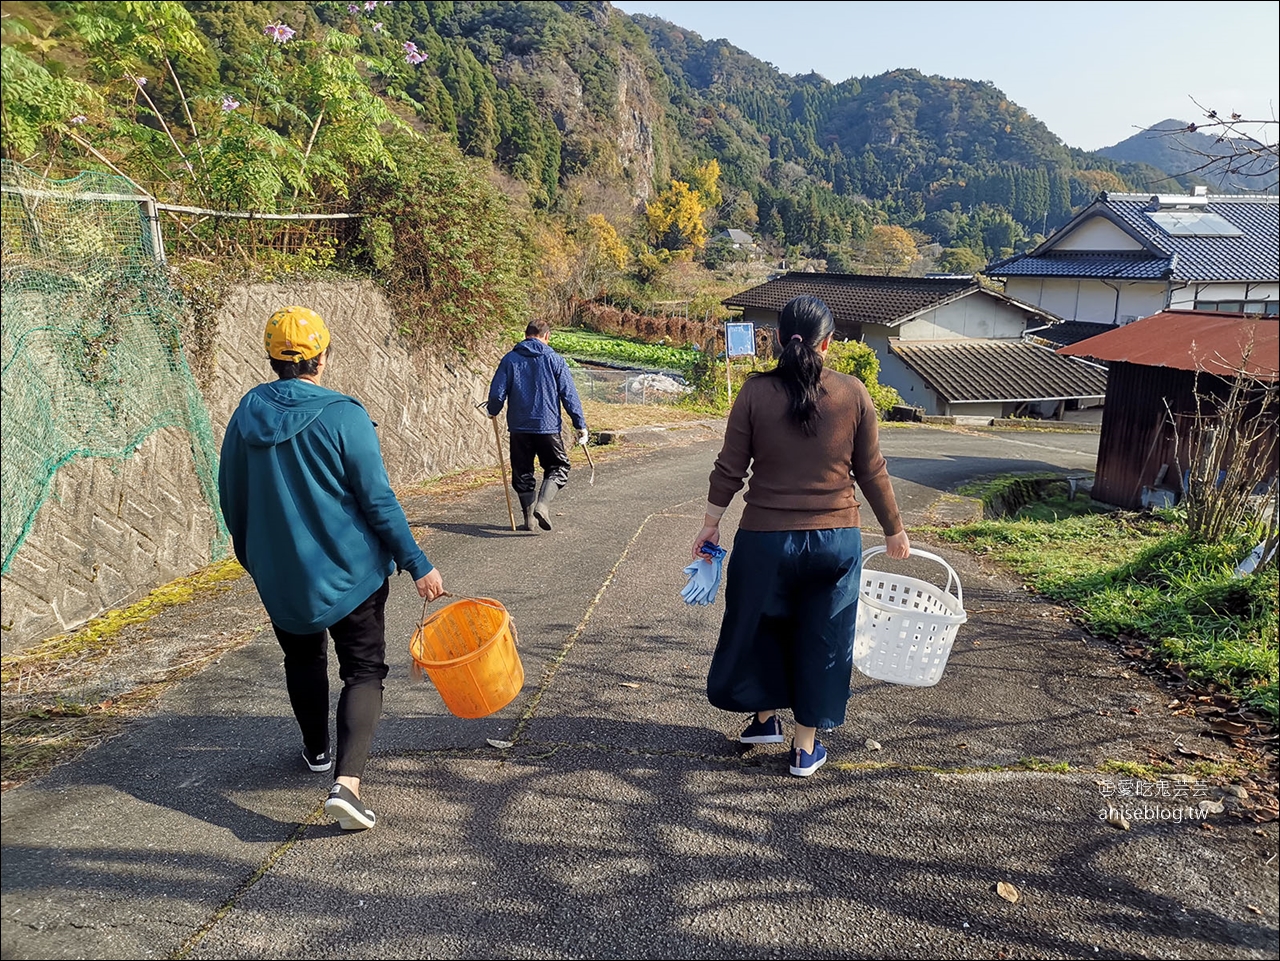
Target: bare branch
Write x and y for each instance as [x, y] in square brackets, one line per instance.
[1250, 151]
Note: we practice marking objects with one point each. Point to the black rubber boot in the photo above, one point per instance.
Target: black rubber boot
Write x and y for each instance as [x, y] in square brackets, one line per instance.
[542, 509]
[526, 505]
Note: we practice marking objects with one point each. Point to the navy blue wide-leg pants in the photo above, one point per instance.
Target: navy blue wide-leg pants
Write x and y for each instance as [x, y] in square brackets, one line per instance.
[791, 599]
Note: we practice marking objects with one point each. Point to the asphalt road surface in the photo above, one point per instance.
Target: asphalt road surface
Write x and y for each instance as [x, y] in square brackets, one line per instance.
[624, 821]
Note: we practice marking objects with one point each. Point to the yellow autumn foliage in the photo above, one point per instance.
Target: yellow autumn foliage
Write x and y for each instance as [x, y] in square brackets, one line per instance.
[675, 218]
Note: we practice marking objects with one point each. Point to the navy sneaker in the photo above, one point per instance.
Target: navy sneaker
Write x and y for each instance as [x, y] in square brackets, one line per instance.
[318, 762]
[763, 732]
[804, 763]
[348, 810]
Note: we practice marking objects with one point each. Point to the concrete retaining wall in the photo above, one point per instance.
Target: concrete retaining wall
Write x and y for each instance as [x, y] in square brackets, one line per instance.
[114, 530]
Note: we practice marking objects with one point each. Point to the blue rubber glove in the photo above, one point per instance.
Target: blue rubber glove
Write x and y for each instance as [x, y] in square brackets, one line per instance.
[704, 578]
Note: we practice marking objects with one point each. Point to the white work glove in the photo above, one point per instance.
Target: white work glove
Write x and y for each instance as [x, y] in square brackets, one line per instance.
[704, 578]
[583, 436]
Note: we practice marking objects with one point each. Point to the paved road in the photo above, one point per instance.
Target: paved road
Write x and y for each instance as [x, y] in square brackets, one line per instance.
[625, 822]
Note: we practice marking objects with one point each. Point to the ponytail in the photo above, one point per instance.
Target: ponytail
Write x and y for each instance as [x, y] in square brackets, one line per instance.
[803, 325]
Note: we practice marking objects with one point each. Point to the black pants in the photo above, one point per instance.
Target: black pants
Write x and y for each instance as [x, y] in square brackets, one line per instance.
[361, 644]
[549, 449]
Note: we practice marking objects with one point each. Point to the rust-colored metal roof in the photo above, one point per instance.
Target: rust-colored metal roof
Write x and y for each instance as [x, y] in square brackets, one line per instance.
[1216, 343]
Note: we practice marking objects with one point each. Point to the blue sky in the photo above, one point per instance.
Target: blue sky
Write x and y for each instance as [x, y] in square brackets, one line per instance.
[1095, 73]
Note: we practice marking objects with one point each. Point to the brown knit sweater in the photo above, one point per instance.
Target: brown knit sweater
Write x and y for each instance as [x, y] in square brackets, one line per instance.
[801, 482]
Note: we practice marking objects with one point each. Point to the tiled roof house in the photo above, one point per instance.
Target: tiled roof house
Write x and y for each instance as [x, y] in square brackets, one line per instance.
[1127, 256]
[948, 345]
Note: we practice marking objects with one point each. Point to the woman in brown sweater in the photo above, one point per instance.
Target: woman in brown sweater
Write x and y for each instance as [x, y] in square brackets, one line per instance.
[806, 434]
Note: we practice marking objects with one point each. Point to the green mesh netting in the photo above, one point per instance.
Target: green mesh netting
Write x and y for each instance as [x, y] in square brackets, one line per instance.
[92, 361]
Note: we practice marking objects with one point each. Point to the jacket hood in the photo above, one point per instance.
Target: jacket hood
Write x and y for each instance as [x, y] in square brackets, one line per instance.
[272, 413]
[532, 347]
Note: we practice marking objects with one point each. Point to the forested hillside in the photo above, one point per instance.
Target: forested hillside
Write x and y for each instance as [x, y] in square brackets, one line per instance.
[604, 148]
[1195, 157]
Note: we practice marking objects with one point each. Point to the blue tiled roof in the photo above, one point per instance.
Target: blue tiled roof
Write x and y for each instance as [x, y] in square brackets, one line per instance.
[1077, 264]
[1254, 255]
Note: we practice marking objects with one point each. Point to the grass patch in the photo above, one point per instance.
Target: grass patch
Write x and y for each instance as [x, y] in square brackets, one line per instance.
[603, 416]
[93, 639]
[619, 350]
[64, 695]
[1040, 764]
[1146, 577]
[1036, 497]
[1225, 770]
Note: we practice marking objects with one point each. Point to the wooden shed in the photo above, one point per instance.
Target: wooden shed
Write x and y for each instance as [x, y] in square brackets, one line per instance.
[1157, 365]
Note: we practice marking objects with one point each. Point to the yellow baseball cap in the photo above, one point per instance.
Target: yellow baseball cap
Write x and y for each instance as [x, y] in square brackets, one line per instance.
[295, 333]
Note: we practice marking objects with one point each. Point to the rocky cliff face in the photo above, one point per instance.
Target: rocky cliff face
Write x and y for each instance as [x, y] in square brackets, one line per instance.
[639, 115]
[626, 141]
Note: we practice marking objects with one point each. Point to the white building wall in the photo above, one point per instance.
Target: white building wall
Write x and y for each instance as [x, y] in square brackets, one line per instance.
[898, 375]
[1090, 300]
[1097, 233]
[1058, 297]
[760, 317]
[1140, 300]
[982, 409]
[1185, 297]
[977, 316]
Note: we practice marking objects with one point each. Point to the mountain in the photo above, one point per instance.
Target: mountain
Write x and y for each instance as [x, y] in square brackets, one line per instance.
[579, 99]
[1189, 156]
[907, 144]
[591, 111]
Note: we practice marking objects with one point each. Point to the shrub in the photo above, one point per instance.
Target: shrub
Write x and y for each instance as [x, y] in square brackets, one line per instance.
[856, 358]
[462, 267]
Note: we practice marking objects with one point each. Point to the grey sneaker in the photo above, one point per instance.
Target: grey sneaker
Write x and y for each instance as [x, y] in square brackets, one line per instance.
[348, 810]
[318, 762]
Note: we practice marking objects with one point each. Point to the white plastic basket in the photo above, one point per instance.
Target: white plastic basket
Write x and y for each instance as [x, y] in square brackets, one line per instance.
[905, 626]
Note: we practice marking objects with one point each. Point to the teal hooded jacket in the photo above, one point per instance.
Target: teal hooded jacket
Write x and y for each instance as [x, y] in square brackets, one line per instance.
[308, 504]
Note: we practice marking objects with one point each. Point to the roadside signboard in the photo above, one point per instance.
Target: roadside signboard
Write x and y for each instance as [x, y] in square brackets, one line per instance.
[741, 340]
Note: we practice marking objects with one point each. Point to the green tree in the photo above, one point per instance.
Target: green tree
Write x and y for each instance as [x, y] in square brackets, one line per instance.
[775, 227]
[961, 260]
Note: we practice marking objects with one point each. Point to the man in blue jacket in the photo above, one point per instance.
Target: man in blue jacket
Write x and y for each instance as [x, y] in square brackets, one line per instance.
[314, 521]
[534, 381]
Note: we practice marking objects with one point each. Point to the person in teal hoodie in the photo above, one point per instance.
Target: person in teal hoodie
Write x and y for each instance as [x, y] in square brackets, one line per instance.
[314, 521]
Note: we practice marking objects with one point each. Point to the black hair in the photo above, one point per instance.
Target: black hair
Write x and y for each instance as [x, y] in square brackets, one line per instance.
[537, 328]
[292, 369]
[805, 322]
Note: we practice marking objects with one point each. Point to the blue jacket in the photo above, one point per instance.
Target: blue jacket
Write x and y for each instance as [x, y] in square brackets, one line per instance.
[309, 506]
[534, 381]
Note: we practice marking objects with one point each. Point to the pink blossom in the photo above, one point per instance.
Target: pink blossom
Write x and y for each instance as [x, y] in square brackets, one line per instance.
[371, 5]
[352, 8]
[279, 32]
[140, 81]
[377, 28]
[230, 104]
[410, 47]
[414, 58]
[78, 119]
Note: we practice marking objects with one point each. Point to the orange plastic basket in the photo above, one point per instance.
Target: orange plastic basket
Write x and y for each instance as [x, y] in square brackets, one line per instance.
[468, 649]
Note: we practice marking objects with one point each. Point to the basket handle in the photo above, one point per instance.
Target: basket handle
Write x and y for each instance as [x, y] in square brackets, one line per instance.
[953, 579]
[464, 597]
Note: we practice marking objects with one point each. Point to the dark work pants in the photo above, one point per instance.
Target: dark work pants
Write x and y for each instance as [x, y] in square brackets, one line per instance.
[791, 601]
[549, 449]
[360, 642]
